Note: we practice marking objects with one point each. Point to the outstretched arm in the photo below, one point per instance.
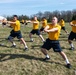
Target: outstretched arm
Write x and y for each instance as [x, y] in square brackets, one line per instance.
[72, 24]
[50, 30]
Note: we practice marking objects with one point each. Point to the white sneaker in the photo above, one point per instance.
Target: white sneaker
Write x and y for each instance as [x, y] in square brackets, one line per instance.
[31, 40]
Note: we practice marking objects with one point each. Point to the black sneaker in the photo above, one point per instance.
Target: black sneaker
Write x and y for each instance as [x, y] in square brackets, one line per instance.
[68, 66]
[31, 40]
[25, 49]
[13, 46]
[44, 41]
[45, 59]
[72, 48]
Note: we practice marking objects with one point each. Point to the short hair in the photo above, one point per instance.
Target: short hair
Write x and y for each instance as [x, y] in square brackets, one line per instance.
[15, 16]
[43, 17]
[74, 17]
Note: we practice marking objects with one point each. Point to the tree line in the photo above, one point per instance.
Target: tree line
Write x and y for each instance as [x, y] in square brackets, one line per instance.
[66, 15]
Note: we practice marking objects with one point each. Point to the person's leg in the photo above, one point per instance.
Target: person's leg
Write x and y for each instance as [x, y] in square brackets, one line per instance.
[71, 44]
[46, 46]
[64, 57]
[11, 37]
[57, 48]
[38, 33]
[45, 53]
[30, 35]
[70, 38]
[11, 40]
[19, 36]
[65, 30]
[41, 38]
[68, 65]
[24, 43]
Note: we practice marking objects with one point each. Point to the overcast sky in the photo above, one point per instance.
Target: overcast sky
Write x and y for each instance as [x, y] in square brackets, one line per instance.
[29, 7]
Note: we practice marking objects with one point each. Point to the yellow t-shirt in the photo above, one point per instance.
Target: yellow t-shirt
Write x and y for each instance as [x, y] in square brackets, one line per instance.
[23, 21]
[54, 35]
[62, 23]
[44, 23]
[74, 27]
[16, 27]
[36, 25]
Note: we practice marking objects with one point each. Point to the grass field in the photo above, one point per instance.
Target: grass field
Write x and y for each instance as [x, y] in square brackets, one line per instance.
[16, 61]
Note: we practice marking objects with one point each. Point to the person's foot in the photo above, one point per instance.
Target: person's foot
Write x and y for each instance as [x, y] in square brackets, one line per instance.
[68, 66]
[45, 59]
[31, 40]
[44, 41]
[68, 34]
[13, 46]
[72, 48]
[26, 49]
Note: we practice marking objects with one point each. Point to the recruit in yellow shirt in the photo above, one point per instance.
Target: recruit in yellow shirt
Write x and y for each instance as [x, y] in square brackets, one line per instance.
[74, 27]
[23, 21]
[62, 23]
[54, 35]
[44, 23]
[35, 25]
[16, 27]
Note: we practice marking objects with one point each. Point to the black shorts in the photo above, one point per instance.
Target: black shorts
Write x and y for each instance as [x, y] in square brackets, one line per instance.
[41, 29]
[52, 44]
[63, 28]
[72, 36]
[3, 23]
[22, 22]
[37, 32]
[14, 34]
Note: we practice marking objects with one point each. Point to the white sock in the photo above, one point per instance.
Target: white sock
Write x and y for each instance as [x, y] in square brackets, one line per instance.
[31, 39]
[71, 45]
[14, 43]
[67, 61]
[47, 56]
[26, 47]
[43, 40]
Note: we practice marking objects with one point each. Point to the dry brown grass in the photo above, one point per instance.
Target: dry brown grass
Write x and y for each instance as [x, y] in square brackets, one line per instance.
[15, 61]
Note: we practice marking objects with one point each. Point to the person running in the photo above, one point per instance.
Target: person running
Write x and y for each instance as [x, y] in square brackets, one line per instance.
[35, 30]
[53, 30]
[15, 24]
[44, 24]
[22, 21]
[62, 24]
[4, 24]
[72, 33]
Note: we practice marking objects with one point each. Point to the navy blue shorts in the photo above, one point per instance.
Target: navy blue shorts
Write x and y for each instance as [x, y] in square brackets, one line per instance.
[63, 28]
[14, 34]
[72, 36]
[37, 32]
[41, 29]
[52, 44]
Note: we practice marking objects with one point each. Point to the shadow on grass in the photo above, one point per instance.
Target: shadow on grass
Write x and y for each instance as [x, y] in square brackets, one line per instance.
[11, 47]
[5, 57]
[26, 32]
[63, 40]
[65, 48]
[3, 38]
[36, 46]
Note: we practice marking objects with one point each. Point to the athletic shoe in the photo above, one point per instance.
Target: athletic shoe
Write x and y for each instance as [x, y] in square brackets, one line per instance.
[25, 49]
[45, 59]
[68, 66]
[13, 46]
[31, 40]
[72, 48]
[44, 41]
